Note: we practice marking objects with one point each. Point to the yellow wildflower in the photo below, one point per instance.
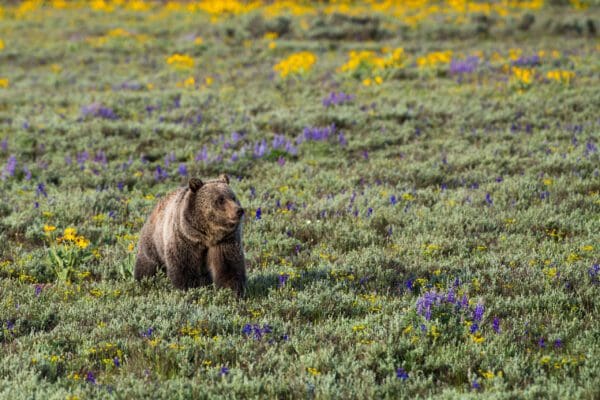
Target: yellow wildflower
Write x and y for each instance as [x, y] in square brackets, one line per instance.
[434, 59]
[3, 83]
[560, 76]
[1, 44]
[523, 75]
[297, 63]
[181, 61]
[313, 371]
[69, 234]
[49, 228]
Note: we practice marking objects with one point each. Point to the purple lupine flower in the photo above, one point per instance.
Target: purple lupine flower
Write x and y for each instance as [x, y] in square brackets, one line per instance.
[478, 312]
[116, 362]
[82, 158]
[182, 169]
[235, 137]
[369, 211]
[90, 378]
[426, 302]
[409, 284]
[297, 249]
[100, 157]
[202, 155]
[281, 161]
[334, 99]
[393, 200]
[460, 67]
[544, 195]
[593, 272]
[258, 213]
[475, 385]
[474, 327]
[496, 324]
[283, 278]
[260, 148]
[590, 148]
[120, 186]
[224, 371]
[319, 133]
[464, 302]
[177, 101]
[401, 374]
[542, 343]
[279, 141]
[169, 158]
[4, 144]
[10, 325]
[488, 199]
[38, 290]
[27, 173]
[247, 329]
[9, 168]
[527, 61]
[148, 333]
[558, 343]
[160, 174]
[499, 179]
[450, 296]
[342, 139]
[99, 111]
[41, 190]
[291, 149]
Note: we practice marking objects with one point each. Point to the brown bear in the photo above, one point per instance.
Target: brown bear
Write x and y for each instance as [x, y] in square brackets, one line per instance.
[195, 233]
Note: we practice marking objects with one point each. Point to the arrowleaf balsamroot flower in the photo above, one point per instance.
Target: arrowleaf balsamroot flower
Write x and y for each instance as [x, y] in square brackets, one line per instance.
[295, 64]
[180, 61]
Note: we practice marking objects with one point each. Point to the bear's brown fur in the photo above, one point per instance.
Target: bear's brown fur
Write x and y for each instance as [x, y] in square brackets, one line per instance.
[195, 233]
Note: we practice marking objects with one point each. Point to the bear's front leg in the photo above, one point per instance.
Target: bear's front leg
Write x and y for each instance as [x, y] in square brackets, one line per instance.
[228, 267]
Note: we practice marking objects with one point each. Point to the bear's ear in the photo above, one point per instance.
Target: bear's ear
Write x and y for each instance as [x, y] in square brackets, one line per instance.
[224, 178]
[195, 184]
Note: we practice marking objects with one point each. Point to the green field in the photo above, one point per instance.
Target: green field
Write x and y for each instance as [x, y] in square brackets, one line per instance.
[421, 181]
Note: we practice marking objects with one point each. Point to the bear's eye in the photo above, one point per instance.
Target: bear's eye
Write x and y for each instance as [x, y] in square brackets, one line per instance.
[221, 200]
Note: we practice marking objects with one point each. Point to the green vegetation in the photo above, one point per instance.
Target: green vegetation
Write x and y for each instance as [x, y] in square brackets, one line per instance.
[421, 184]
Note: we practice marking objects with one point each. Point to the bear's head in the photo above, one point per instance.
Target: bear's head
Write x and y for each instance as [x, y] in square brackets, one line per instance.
[217, 211]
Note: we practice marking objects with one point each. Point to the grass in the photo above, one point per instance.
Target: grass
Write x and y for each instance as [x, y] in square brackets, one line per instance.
[422, 222]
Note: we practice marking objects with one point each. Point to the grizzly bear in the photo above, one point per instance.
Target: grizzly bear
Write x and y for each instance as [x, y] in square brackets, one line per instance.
[195, 233]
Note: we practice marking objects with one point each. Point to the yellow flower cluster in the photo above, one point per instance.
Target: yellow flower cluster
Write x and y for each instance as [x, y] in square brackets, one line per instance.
[297, 63]
[370, 60]
[180, 61]
[218, 8]
[560, 76]
[70, 237]
[434, 59]
[523, 76]
[3, 83]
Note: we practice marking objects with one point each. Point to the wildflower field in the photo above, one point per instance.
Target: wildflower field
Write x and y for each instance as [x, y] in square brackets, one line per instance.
[421, 182]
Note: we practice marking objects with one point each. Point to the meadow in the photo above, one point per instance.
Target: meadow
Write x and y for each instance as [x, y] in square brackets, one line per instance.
[420, 178]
